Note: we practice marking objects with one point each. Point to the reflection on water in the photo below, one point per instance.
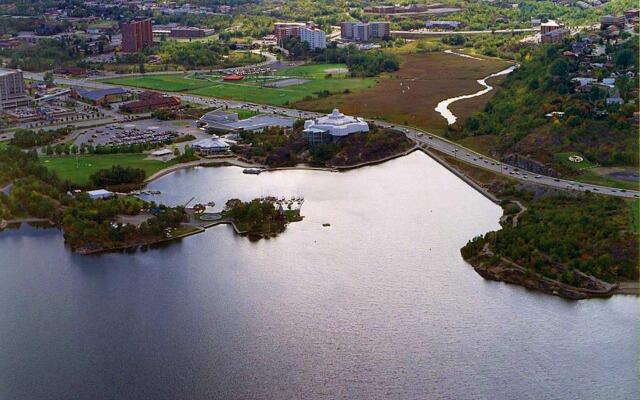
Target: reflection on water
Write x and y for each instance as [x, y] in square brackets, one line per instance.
[378, 305]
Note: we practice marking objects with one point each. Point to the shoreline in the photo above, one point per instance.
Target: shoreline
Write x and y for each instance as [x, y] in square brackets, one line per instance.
[504, 270]
[235, 161]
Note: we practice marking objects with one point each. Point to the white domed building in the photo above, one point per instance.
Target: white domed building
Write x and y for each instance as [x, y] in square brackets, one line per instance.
[332, 127]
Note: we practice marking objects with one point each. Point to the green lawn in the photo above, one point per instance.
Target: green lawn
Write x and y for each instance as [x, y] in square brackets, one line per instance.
[312, 70]
[280, 96]
[243, 114]
[250, 90]
[79, 173]
[564, 159]
[170, 83]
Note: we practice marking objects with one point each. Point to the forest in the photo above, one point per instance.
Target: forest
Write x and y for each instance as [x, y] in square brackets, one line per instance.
[588, 233]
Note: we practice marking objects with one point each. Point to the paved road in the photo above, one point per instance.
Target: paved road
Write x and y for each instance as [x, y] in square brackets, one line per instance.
[424, 138]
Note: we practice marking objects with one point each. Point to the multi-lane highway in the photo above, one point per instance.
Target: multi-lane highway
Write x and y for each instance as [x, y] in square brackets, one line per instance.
[424, 138]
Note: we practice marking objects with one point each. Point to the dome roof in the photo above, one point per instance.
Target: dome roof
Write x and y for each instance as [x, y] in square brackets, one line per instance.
[336, 118]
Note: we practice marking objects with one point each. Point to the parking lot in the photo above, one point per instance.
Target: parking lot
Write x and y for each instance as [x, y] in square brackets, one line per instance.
[138, 132]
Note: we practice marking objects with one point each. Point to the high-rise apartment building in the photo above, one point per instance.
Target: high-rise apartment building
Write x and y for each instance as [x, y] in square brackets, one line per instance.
[12, 89]
[136, 35]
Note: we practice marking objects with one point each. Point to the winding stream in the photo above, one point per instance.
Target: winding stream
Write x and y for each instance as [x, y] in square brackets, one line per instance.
[443, 106]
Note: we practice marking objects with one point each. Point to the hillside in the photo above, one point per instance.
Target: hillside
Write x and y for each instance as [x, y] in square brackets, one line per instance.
[543, 110]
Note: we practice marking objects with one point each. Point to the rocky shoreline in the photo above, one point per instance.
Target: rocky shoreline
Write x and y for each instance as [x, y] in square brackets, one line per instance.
[505, 271]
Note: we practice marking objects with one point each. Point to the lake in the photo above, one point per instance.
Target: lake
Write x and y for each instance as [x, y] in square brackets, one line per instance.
[380, 305]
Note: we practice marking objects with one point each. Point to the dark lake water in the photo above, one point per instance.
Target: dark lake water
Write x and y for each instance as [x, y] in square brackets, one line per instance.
[378, 306]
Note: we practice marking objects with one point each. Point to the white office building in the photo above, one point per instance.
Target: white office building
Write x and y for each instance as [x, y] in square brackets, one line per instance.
[332, 127]
[315, 37]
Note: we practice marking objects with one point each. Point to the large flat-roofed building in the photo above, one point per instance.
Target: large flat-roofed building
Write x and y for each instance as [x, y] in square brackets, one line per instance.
[222, 122]
[100, 97]
[362, 32]
[136, 35]
[332, 127]
[12, 89]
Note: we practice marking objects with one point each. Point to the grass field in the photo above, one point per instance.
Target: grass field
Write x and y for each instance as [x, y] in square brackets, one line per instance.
[243, 114]
[170, 83]
[79, 173]
[576, 166]
[635, 215]
[410, 95]
[250, 89]
[314, 70]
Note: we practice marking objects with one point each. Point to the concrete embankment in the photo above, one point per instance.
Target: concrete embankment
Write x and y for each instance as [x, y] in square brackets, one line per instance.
[462, 176]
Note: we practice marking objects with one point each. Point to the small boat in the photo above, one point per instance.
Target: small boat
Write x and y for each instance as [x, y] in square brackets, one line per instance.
[254, 171]
[211, 203]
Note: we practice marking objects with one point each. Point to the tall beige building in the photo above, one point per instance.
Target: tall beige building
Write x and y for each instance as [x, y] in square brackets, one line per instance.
[12, 89]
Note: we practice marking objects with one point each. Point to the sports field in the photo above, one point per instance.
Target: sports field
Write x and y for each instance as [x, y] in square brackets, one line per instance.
[252, 90]
[79, 172]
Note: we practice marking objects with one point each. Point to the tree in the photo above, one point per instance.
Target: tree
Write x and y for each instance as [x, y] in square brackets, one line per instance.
[558, 68]
[48, 78]
[625, 58]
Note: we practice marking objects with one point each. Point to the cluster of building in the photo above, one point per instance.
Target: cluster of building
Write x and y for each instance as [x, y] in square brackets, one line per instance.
[364, 31]
[448, 25]
[176, 31]
[593, 60]
[315, 37]
[173, 8]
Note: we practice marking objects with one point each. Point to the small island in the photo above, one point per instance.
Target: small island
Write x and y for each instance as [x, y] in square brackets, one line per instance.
[262, 218]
